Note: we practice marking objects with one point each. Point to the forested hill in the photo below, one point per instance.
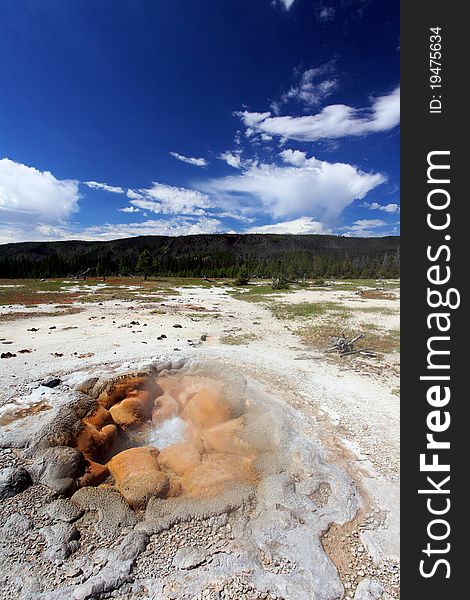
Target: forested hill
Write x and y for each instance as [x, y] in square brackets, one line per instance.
[217, 255]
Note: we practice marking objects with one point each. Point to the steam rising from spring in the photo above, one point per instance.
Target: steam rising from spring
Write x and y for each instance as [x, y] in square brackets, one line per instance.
[194, 431]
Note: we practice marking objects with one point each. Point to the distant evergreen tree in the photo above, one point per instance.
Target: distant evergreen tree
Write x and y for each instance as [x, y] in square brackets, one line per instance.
[145, 263]
[243, 277]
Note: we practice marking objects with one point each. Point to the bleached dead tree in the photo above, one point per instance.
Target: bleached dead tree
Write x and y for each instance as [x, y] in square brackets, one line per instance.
[345, 347]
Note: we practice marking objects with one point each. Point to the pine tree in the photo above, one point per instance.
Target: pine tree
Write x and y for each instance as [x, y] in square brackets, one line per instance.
[145, 263]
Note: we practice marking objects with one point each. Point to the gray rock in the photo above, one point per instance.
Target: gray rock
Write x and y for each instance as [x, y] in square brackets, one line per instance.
[60, 552]
[111, 513]
[61, 540]
[16, 526]
[188, 557]
[369, 589]
[58, 468]
[64, 510]
[60, 533]
[116, 572]
[13, 480]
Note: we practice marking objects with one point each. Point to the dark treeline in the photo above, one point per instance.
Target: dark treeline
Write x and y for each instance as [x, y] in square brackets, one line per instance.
[293, 256]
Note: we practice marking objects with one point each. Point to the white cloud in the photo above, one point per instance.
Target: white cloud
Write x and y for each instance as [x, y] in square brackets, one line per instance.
[302, 225]
[364, 228]
[294, 157]
[173, 227]
[389, 208]
[235, 216]
[133, 195]
[129, 209]
[312, 87]
[167, 199]
[111, 231]
[232, 158]
[197, 162]
[334, 121]
[27, 194]
[95, 185]
[306, 187]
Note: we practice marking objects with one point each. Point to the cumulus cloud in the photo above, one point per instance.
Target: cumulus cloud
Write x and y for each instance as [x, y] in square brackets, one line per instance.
[303, 187]
[197, 162]
[167, 199]
[333, 121]
[95, 185]
[295, 157]
[388, 208]
[302, 225]
[27, 194]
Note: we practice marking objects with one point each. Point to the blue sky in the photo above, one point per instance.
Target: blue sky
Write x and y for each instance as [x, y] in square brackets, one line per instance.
[165, 118]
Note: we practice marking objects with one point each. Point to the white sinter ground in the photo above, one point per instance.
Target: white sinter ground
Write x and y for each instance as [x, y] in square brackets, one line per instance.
[354, 398]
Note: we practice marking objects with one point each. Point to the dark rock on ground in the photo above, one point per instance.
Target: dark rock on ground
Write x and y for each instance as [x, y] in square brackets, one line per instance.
[13, 480]
[51, 383]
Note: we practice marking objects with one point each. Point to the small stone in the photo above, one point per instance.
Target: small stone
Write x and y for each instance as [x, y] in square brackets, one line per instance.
[73, 571]
[188, 557]
[51, 383]
[369, 589]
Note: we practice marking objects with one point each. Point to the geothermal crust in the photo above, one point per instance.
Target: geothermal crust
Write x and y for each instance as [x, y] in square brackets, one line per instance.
[229, 503]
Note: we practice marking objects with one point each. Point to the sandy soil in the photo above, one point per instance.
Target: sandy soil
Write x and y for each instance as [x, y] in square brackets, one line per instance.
[355, 399]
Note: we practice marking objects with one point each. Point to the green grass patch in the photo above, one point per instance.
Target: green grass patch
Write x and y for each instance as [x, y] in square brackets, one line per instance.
[238, 340]
[377, 295]
[377, 340]
[377, 310]
[381, 340]
[308, 310]
[354, 285]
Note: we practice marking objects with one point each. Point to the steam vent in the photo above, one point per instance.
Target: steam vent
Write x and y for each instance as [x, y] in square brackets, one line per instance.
[176, 480]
